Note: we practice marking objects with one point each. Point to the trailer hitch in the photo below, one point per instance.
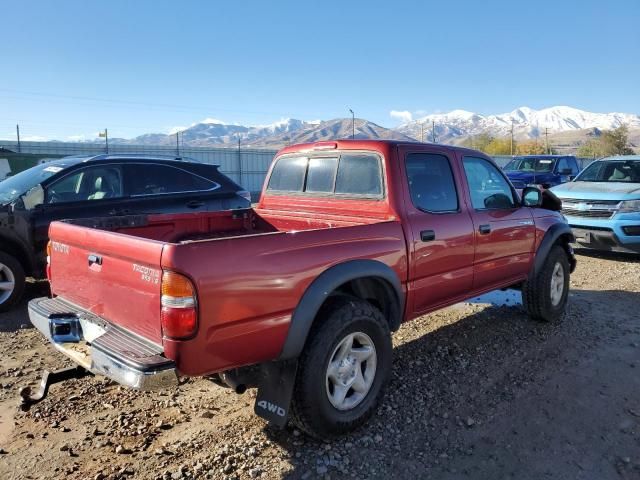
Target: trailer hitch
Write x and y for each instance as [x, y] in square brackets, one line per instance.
[48, 379]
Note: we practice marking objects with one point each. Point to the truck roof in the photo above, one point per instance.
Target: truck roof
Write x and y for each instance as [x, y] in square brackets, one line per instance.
[620, 157]
[549, 157]
[362, 144]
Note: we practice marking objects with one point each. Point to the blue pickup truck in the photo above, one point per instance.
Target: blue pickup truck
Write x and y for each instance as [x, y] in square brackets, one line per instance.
[544, 170]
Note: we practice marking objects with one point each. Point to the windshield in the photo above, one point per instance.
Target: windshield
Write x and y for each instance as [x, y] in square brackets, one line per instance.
[13, 187]
[612, 171]
[540, 165]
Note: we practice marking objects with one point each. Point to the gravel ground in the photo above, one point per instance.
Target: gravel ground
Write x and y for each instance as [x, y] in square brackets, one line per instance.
[478, 391]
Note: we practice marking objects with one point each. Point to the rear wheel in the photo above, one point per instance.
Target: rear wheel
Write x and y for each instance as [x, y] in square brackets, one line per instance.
[343, 369]
[545, 294]
[12, 281]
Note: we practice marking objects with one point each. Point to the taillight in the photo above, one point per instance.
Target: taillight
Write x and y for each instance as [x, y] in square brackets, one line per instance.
[48, 267]
[179, 314]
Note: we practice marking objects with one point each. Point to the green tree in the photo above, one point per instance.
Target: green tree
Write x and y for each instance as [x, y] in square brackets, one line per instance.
[533, 147]
[610, 142]
[499, 146]
[478, 142]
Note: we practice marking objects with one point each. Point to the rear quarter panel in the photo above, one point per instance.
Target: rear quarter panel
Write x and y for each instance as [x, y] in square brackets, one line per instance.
[248, 287]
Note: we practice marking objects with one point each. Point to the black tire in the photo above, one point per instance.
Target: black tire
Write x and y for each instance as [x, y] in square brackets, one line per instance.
[17, 272]
[537, 290]
[311, 408]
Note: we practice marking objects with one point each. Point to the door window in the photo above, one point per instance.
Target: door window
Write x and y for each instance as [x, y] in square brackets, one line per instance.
[563, 164]
[488, 188]
[92, 183]
[574, 166]
[431, 182]
[153, 179]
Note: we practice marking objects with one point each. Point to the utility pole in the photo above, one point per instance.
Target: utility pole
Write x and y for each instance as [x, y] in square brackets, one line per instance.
[239, 162]
[177, 144]
[512, 137]
[105, 134]
[18, 134]
[353, 125]
[433, 130]
[546, 136]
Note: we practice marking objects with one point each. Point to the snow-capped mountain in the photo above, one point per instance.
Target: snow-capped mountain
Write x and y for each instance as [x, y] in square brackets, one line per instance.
[275, 135]
[527, 123]
[332, 130]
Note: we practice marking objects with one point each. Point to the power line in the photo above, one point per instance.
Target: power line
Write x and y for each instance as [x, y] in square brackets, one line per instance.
[203, 109]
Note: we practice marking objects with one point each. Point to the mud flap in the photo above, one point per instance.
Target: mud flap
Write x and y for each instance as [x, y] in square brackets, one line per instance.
[275, 391]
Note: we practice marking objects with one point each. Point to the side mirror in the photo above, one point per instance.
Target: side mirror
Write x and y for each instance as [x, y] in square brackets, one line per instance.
[532, 197]
[566, 171]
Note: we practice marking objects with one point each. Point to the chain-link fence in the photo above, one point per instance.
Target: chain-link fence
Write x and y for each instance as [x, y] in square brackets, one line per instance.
[246, 166]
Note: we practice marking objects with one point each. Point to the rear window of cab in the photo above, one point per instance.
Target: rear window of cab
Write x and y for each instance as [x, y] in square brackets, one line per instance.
[345, 174]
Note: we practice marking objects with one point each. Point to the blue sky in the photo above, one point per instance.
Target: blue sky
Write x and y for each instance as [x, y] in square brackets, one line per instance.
[73, 67]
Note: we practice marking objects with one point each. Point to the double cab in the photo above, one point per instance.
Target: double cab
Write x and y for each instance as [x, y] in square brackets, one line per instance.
[298, 296]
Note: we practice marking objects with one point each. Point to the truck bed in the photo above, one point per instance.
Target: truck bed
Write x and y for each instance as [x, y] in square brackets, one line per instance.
[250, 269]
[184, 228]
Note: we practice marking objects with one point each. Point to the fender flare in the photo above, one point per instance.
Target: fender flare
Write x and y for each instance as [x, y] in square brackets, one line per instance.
[550, 238]
[320, 289]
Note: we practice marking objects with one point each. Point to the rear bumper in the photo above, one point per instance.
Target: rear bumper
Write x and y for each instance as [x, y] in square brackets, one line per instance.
[105, 349]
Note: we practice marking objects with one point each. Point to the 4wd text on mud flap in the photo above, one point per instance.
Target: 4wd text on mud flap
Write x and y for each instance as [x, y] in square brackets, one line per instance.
[271, 407]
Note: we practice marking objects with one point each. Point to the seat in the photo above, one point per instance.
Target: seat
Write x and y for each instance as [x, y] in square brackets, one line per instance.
[619, 176]
[105, 186]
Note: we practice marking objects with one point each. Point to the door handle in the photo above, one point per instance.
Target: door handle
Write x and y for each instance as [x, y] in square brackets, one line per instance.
[427, 235]
[94, 259]
[195, 204]
[485, 229]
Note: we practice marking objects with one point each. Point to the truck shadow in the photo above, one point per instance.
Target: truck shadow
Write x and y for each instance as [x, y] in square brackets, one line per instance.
[18, 317]
[614, 256]
[466, 370]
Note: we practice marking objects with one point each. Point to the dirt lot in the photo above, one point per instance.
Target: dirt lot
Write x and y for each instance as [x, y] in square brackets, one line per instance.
[478, 391]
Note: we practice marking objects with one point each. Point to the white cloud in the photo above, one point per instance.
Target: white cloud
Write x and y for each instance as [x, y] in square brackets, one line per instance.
[404, 116]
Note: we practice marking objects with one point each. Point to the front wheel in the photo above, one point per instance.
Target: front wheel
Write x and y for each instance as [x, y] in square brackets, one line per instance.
[545, 294]
[343, 369]
[12, 281]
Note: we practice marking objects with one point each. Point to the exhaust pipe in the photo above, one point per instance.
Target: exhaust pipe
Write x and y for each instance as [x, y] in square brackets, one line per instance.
[232, 381]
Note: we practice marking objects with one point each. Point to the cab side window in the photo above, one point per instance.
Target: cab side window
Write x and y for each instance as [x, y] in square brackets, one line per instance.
[488, 188]
[431, 183]
[153, 179]
[92, 183]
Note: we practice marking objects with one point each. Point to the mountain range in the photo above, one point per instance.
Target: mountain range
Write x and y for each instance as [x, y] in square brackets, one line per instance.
[526, 122]
[569, 126]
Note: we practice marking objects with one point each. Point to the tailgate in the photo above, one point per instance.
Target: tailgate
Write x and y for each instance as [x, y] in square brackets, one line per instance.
[112, 275]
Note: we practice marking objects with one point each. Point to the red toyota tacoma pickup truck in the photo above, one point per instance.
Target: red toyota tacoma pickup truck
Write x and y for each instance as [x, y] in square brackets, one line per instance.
[298, 296]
